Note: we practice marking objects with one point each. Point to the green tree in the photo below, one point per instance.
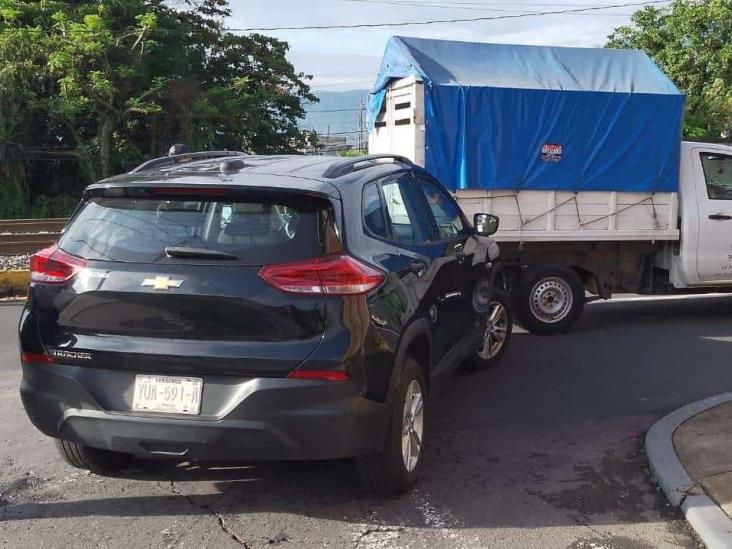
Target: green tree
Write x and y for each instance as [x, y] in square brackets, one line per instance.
[691, 41]
[99, 61]
[115, 81]
[21, 87]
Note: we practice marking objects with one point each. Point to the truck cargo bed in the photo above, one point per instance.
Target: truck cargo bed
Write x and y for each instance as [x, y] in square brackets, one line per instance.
[529, 215]
[583, 216]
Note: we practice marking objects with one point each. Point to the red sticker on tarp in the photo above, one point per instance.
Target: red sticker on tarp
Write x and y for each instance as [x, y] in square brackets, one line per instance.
[551, 152]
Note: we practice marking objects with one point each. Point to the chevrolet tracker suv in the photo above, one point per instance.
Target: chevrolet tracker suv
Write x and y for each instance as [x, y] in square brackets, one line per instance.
[222, 306]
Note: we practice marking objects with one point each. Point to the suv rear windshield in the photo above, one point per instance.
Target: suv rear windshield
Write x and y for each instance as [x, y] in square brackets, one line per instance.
[139, 230]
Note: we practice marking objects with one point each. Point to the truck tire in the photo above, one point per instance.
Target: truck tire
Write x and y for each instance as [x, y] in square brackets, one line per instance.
[395, 469]
[548, 299]
[91, 459]
[497, 334]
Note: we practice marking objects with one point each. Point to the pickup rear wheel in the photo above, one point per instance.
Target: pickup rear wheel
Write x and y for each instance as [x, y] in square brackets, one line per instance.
[548, 299]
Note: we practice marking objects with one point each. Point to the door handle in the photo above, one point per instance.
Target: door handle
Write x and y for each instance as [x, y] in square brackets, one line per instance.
[720, 217]
[449, 296]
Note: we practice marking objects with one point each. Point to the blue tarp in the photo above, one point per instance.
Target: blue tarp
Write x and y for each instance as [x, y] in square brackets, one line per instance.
[501, 116]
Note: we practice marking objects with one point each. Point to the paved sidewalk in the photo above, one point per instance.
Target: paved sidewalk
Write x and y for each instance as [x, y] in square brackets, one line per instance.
[704, 446]
[690, 454]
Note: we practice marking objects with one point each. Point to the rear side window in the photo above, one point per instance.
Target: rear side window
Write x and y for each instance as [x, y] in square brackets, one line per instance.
[138, 230]
[373, 212]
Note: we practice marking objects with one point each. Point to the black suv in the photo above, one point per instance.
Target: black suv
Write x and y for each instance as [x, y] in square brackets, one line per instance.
[222, 306]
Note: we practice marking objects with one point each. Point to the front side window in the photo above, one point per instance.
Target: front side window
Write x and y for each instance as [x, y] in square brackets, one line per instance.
[718, 175]
[446, 213]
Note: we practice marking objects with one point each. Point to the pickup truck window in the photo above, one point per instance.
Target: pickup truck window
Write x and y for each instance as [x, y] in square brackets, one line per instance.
[718, 175]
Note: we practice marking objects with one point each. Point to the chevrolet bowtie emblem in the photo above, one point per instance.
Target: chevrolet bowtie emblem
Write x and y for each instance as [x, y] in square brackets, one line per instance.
[162, 283]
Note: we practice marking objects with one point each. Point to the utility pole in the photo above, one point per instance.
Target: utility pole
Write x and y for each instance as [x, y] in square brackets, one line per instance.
[361, 109]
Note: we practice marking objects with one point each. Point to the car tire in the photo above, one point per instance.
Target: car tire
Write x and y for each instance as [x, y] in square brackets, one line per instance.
[395, 469]
[548, 300]
[499, 326]
[91, 459]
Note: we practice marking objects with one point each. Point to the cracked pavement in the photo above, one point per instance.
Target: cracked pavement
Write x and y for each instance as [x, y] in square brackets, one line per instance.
[544, 451]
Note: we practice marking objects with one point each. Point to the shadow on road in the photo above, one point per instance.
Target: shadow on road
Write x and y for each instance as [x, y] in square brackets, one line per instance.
[549, 437]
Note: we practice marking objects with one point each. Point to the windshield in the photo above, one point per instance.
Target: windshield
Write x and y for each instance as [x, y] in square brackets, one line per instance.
[139, 230]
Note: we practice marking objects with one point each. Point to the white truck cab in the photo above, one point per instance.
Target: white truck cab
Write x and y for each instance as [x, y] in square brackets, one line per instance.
[705, 217]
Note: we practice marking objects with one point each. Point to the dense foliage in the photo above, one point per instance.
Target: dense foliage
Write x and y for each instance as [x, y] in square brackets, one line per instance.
[91, 87]
[692, 42]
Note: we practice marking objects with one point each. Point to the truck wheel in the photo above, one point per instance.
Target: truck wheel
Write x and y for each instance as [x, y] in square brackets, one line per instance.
[95, 460]
[548, 299]
[498, 328]
[395, 469]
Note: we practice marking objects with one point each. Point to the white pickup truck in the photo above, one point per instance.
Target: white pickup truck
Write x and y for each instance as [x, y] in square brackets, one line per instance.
[562, 249]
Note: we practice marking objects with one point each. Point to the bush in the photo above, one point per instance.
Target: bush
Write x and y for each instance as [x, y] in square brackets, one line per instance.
[53, 206]
[13, 195]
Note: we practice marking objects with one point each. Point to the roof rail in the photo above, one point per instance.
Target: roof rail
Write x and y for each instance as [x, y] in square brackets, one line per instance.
[179, 159]
[351, 165]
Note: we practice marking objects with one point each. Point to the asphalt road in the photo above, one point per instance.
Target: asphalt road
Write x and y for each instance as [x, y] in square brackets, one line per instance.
[544, 451]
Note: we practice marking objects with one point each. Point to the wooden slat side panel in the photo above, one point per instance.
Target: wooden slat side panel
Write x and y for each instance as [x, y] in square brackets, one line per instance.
[535, 214]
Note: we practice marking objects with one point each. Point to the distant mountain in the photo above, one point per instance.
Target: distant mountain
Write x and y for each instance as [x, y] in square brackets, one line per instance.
[337, 113]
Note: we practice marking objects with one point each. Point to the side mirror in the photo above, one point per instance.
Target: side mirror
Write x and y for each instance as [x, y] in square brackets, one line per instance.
[485, 224]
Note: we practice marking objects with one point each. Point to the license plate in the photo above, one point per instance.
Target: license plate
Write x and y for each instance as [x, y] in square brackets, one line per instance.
[173, 395]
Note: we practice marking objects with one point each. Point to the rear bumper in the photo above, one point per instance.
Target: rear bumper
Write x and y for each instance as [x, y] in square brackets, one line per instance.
[247, 419]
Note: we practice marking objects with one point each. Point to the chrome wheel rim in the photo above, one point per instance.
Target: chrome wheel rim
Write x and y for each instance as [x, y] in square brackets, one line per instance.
[412, 425]
[496, 330]
[551, 300]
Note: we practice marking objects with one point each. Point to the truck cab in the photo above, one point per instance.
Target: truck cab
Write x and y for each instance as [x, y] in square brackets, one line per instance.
[704, 257]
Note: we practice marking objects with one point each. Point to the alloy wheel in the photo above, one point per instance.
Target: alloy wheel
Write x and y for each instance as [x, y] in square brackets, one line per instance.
[496, 330]
[412, 425]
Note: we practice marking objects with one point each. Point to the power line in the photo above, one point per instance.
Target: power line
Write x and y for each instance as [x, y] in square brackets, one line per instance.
[473, 7]
[363, 82]
[333, 110]
[578, 11]
[430, 3]
[331, 134]
[441, 21]
[421, 5]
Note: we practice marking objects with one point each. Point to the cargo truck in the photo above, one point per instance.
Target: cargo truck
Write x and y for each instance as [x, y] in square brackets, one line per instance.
[579, 153]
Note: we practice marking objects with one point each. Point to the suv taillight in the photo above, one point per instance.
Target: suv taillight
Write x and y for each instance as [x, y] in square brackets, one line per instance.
[333, 275]
[54, 266]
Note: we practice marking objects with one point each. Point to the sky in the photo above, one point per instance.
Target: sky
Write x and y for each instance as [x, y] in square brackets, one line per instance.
[342, 60]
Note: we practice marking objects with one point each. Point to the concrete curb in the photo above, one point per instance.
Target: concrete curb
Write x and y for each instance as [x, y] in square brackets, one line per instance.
[711, 524]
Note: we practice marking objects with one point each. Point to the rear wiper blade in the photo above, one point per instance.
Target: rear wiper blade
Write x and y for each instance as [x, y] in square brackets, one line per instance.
[193, 252]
